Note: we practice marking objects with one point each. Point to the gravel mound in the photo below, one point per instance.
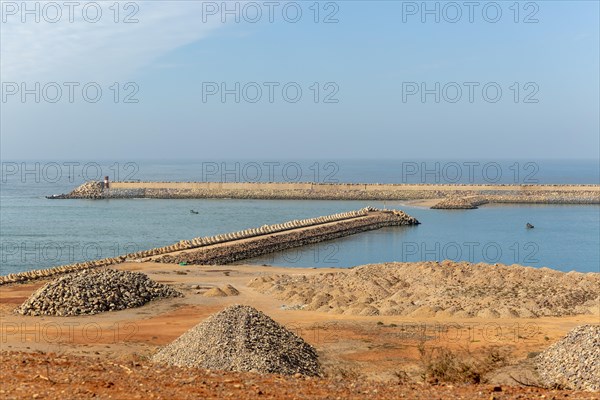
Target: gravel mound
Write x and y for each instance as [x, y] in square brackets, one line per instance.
[93, 292]
[440, 289]
[574, 361]
[241, 338]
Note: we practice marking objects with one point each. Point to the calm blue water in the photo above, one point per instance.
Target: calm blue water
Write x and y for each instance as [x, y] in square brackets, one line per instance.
[36, 232]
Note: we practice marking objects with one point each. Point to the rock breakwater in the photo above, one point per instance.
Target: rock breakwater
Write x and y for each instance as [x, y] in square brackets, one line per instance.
[88, 190]
[460, 203]
[278, 240]
[60, 270]
[398, 217]
[527, 194]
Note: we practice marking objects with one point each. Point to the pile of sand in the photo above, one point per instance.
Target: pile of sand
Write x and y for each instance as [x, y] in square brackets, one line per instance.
[439, 289]
[224, 291]
[241, 338]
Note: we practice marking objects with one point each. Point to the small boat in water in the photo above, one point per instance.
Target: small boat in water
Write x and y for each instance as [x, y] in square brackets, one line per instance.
[193, 212]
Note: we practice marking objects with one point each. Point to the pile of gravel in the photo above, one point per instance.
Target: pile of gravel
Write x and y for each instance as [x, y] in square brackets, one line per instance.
[93, 292]
[241, 338]
[574, 361]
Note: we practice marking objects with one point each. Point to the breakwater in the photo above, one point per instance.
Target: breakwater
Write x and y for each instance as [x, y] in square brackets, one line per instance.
[460, 203]
[226, 248]
[529, 194]
[287, 239]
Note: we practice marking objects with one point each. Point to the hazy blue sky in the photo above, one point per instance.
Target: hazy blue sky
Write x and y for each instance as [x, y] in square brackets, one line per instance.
[374, 59]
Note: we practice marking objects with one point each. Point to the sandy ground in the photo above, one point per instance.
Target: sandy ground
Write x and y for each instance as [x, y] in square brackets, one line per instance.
[380, 348]
[48, 376]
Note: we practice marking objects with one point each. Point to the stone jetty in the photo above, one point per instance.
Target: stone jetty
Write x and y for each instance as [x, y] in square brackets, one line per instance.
[460, 203]
[528, 194]
[243, 244]
[290, 235]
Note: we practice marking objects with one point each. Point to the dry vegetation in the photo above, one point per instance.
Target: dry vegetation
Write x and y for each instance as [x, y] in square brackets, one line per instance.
[441, 364]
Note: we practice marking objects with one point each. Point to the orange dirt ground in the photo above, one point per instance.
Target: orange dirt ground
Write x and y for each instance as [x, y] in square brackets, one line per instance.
[107, 355]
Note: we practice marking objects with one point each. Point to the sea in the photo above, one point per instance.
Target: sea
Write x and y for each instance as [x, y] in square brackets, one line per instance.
[36, 232]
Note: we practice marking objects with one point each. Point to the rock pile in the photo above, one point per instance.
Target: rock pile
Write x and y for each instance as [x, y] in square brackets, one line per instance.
[93, 292]
[459, 203]
[88, 190]
[241, 338]
[574, 361]
[441, 289]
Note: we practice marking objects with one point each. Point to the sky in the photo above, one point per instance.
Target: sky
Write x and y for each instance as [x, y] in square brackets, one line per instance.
[299, 80]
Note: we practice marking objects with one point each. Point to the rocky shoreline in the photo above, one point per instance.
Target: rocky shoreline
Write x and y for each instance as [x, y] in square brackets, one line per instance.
[525, 194]
[460, 203]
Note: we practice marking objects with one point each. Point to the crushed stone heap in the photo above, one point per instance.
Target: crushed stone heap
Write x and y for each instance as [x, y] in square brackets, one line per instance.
[574, 361]
[241, 338]
[93, 292]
